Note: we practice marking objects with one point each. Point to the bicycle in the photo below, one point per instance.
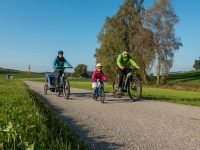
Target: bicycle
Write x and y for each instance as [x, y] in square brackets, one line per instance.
[131, 85]
[99, 91]
[63, 82]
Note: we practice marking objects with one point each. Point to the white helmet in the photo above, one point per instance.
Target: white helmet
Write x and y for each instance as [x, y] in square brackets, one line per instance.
[99, 65]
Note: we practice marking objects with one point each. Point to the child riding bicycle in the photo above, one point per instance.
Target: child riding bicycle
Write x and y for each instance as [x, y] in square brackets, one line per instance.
[98, 77]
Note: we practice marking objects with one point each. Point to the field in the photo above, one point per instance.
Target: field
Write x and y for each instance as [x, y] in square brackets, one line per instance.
[26, 122]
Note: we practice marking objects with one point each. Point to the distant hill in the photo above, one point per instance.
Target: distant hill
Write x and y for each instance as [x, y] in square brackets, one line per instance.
[190, 78]
[20, 74]
[6, 71]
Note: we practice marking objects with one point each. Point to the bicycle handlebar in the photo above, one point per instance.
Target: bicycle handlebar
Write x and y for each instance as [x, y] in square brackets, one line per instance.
[130, 70]
[62, 67]
[100, 80]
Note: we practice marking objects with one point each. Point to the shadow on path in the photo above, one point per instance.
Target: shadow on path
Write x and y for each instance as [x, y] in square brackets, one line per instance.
[97, 142]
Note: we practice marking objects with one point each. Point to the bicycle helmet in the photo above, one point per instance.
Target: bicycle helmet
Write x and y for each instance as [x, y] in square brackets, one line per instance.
[99, 65]
[60, 52]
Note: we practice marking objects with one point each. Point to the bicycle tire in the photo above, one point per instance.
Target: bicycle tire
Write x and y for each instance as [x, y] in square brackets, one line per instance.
[115, 91]
[135, 92]
[45, 89]
[102, 95]
[66, 89]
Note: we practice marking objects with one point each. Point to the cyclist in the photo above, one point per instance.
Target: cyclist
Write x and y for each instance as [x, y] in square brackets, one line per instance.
[58, 63]
[98, 75]
[123, 62]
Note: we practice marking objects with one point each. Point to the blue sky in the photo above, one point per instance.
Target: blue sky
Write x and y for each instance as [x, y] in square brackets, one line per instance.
[32, 31]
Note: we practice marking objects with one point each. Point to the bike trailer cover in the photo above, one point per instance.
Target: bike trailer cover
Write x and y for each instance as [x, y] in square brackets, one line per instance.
[50, 74]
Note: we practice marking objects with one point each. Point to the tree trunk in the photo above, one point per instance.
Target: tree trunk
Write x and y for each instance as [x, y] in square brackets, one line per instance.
[158, 68]
[158, 75]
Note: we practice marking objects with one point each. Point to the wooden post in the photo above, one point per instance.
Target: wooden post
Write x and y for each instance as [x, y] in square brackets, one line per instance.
[9, 76]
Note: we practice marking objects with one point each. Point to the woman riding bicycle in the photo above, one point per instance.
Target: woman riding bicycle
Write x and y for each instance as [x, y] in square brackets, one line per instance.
[58, 63]
[123, 62]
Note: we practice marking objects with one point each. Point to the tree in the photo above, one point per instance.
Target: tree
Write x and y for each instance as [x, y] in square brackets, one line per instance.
[125, 30]
[196, 65]
[81, 71]
[160, 19]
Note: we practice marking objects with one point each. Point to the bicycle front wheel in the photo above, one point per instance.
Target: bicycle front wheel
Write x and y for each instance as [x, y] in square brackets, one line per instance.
[115, 89]
[66, 89]
[102, 95]
[135, 89]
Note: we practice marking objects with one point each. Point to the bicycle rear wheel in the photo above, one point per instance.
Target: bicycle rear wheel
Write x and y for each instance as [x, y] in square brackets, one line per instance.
[135, 89]
[66, 89]
[102, 95]
[45, 89]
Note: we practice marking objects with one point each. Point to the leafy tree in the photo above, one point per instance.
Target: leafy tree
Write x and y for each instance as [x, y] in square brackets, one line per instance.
[125, 30]
[81, 71]
[196, 65]
[160, 19]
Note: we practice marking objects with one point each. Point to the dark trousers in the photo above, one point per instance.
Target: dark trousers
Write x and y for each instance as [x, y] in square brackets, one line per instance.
[58, 75]
[121, 74]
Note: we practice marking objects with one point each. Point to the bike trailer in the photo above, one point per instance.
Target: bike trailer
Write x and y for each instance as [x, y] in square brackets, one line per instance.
[50, 79]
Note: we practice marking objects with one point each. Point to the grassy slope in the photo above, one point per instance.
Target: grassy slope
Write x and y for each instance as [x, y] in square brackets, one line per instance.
[190, 78]
[24, 124]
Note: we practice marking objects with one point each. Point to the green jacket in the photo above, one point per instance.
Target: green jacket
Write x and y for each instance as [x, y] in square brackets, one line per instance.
[125, 61]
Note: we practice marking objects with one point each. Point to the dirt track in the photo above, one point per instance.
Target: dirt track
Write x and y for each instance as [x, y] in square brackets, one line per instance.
[121, 124]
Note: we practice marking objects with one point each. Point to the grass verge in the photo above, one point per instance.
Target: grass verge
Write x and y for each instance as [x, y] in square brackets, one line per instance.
[152, 93]
[161, 94]
[26, 122]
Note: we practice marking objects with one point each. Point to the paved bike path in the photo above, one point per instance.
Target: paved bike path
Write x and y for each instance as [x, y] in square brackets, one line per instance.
[121, 124]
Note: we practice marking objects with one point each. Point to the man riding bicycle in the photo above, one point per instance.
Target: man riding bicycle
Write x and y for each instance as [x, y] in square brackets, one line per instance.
[123, 62]
[58, 63]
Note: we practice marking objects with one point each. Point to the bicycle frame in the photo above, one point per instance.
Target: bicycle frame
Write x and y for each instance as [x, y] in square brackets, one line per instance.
[126, 80]
[100, 85]
[62, 78]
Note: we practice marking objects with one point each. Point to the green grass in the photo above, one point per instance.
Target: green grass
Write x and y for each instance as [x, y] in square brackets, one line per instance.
[27, 122]
[175, 96]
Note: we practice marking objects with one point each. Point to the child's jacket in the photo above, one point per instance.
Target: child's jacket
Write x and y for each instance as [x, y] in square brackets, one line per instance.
[98, 75]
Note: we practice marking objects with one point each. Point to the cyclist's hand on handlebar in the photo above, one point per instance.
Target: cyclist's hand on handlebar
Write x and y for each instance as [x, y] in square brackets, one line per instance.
[122, 68]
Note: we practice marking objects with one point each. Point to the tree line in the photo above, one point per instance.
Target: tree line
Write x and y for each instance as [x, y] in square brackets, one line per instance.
[196, 65]
[149, 35]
